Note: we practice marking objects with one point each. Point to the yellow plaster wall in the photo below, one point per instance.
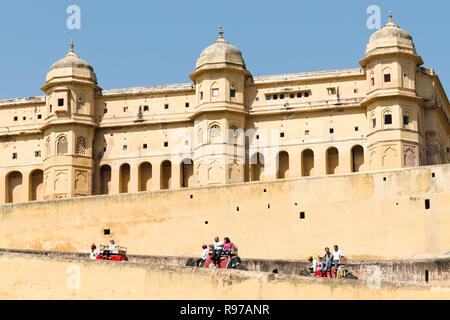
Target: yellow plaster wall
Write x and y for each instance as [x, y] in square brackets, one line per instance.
[62, 278]
[365, 215]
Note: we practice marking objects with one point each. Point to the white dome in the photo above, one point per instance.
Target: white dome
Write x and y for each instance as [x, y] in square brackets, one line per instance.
[71, 67]
[71, 60]
[220, 52]
[391, 35]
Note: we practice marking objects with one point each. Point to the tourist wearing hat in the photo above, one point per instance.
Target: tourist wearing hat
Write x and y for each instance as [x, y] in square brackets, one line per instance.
[94, 252]
[313, 267]
[201, 262]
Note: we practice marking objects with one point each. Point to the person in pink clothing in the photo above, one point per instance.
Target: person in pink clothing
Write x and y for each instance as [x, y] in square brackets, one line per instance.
[228, 245]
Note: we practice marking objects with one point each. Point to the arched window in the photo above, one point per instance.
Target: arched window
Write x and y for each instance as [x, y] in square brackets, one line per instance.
[214, 90]
[283, 165]
[387, 115]
[166, 175]
[214, 133]
[105, 179]
[404, 76]
[200, 136]
[307, 163]
[200, 93]
[419, 125]
[372, 79]
[373, 120]
[187, 173]
[257, 166]
[145, 176]
[406, 119]
[36, 182]
[124, 178]
[332, 160]
[14, 187]
[233, 134]
[80, 147]
[61, 145]
[357, 160]
[47, 147]
[387, 76]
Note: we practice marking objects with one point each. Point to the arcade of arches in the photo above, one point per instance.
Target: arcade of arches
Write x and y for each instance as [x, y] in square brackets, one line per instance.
[144, 178]
[17, 184]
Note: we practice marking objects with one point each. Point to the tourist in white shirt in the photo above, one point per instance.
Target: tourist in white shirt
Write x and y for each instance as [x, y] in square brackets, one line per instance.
[337, 255]
[313, 267]
[94, 252]
[112, 246]
[200, 262]
[217, 251]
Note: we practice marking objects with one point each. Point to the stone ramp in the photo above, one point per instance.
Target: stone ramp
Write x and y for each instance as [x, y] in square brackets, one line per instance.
[64, 276]
[417, 271]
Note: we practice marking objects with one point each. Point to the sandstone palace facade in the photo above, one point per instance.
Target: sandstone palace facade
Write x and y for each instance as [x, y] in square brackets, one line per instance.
[225, 127]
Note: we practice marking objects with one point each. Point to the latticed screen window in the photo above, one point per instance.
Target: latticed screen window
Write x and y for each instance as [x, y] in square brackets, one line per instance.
[80, 147]
[214, 132]
[61, 146]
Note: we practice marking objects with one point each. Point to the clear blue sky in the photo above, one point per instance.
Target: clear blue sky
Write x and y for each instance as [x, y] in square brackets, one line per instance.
[140, 43]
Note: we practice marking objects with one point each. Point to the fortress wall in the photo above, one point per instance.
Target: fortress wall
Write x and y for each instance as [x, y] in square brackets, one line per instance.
[64, 278]
[376, 215]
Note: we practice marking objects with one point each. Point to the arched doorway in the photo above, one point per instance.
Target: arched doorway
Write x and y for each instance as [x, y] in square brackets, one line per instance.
[307, 162]
[283, 165]
[124, 178]
[187, 173]
[166, 174]
[357, 158]
[36, 185]
[257, 166]
[145, 176]
[13, 187]
[105, 179]
[409, 156]
[332, 160]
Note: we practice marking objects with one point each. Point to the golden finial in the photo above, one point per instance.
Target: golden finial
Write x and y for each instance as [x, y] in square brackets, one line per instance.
[220, 32]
